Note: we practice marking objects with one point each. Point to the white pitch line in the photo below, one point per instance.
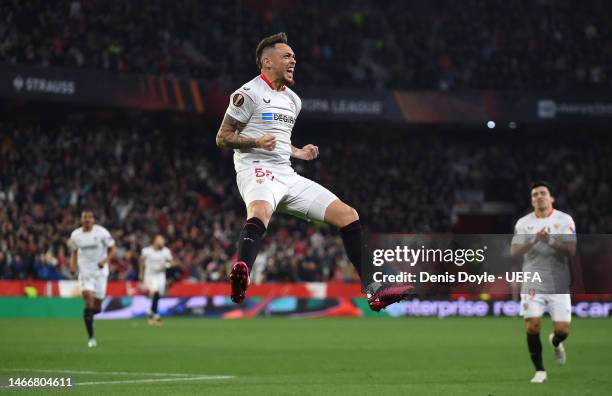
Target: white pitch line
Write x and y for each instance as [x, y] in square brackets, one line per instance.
[101, 372]
[200, 378]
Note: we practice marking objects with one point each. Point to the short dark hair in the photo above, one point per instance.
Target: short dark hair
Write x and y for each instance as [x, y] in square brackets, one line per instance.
[267, 42]
[541, 183]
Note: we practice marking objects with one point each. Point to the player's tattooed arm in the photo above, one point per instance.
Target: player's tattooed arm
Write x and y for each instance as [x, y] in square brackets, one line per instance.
[228, 137]
[307, 153]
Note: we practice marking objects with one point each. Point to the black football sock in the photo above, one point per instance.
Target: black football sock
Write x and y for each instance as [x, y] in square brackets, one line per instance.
[154, 303]
[558, 338]
[88, 315]
[353, 243]
[249, 242]
[535, 350]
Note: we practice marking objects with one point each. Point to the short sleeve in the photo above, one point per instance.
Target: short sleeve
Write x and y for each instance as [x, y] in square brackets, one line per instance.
[168, 254]
[568, 230]
[241, 107]
[520, 236]
[72, 243]
[569, 227]
[107, 238]
[298, 105]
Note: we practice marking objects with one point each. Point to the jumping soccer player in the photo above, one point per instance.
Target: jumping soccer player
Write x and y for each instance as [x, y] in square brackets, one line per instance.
[154, 260]
[546, 238]
[93, 248]
[258, 125]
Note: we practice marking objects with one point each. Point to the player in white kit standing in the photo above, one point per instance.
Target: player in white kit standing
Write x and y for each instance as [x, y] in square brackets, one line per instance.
[546, 238]
[93, 248]
[154, 260]
[258, 125]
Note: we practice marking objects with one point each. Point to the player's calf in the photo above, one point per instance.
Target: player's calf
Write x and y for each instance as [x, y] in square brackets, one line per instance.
[534, 345]
[249, 241]
[558, 337]
[153, 316]
[556, 341]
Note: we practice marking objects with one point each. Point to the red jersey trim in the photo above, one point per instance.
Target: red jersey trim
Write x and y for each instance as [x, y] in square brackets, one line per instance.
[547, 215]
[263, 77]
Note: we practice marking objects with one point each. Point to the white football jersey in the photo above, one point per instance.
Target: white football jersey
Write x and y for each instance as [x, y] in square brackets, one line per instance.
[264, 110]
[155, 261]
[542, 258]
[92, 247]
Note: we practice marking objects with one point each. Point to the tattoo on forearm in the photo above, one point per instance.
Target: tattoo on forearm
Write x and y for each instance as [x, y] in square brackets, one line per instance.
[229, 137]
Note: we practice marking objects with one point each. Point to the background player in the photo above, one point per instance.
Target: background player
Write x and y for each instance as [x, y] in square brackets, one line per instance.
[546, 238]
[258, 125]
[93, 248]
[154, 260]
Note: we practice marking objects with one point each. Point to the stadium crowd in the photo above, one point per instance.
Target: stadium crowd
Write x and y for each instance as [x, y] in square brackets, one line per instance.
[140, 181]
[440, 44]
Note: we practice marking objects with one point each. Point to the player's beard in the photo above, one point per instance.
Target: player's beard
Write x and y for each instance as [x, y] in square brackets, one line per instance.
[289, 83]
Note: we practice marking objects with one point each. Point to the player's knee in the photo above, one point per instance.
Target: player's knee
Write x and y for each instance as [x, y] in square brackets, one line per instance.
[348, 215]
[352, 215]
[533, 327]
[260, 209]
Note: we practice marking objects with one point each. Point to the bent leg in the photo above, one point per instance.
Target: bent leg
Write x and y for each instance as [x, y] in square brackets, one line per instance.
[340, 214]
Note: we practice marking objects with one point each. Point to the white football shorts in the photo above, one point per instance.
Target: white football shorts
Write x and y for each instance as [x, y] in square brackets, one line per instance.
[286, 191]
[95, 283]
[559, 306]
[155, 283]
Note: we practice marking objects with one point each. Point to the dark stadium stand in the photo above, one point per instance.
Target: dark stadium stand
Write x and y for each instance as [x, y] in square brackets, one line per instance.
[440, 45]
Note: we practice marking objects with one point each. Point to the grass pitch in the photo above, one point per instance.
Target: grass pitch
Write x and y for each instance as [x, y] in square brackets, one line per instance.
[375, 356]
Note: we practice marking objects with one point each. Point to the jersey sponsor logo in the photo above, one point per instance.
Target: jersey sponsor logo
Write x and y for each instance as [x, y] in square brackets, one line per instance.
[88, 247]
[278, 117]
[238, 100]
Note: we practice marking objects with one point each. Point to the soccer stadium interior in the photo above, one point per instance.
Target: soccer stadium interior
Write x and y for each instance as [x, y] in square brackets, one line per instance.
[431, 117]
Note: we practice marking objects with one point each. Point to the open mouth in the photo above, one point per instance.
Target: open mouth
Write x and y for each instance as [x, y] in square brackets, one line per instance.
[290, 71]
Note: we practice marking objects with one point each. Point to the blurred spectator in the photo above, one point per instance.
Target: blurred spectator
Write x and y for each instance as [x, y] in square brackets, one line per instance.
[140, 182]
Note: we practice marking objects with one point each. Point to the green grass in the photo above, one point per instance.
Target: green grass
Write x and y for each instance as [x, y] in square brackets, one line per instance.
[304, 357]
